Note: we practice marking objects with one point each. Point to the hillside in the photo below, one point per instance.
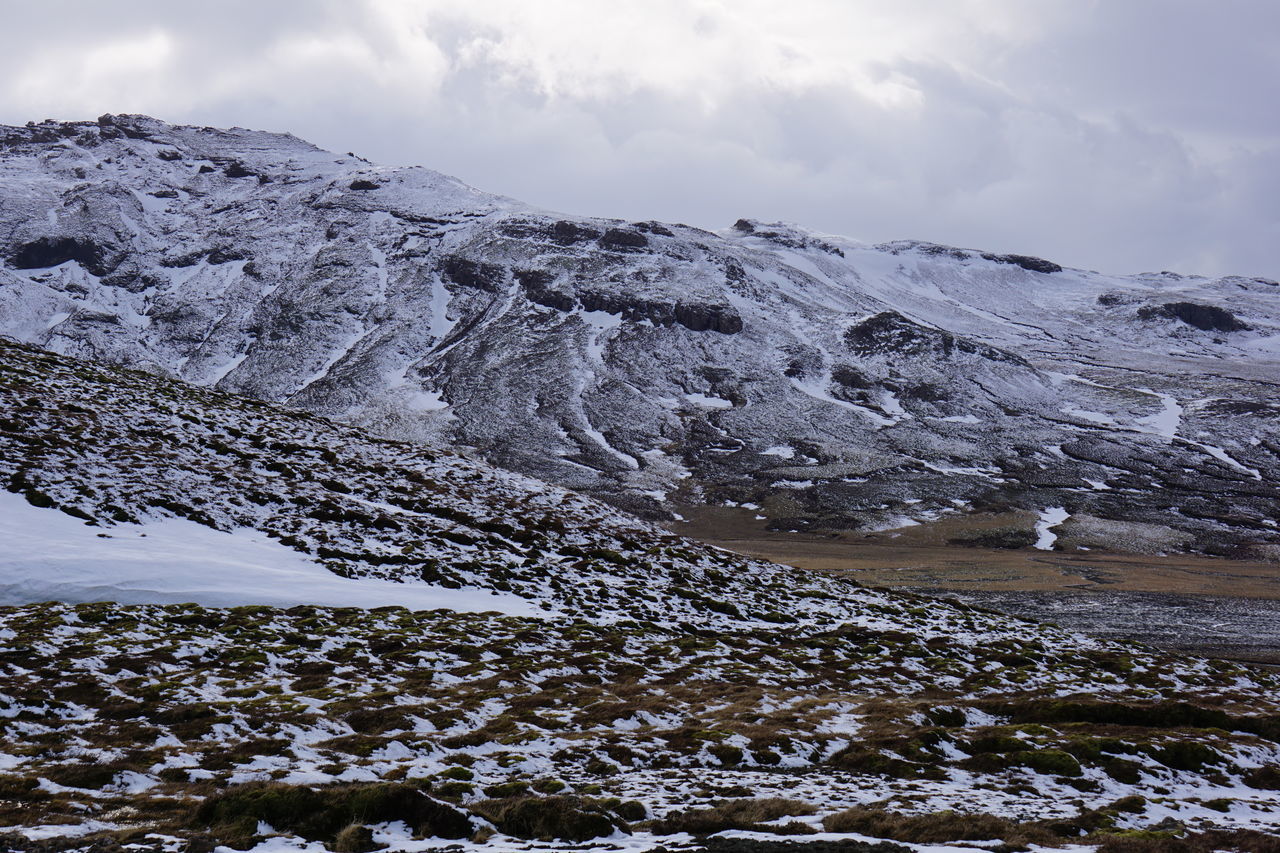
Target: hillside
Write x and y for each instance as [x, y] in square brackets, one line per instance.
[556, 669]
[818, 382]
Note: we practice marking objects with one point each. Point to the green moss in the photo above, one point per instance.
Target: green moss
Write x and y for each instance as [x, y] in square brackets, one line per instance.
[513, 788]
[1123, 770]
[727, 755]
[1186, 755]
[453, 790]
[462, 773]
[1051, 761]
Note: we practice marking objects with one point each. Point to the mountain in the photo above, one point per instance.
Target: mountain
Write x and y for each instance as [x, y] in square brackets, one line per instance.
[427, 647]
[816, 381]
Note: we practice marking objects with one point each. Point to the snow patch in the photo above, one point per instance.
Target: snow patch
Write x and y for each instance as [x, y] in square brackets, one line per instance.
[1166, 421]
[1050, 518]
[46, 555]
[708, 402]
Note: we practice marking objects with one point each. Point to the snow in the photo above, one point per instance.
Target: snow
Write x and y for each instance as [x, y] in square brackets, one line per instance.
[1092, 417]
[782, 451]
[1222, 456]
[441, 325]
[427, 401]
[819, 392]
[1050, 518]
[47, 555]
[1269, 345]
[335, 356]
[599, 437]
[709, 402]
[221, 373]
[1166, 421]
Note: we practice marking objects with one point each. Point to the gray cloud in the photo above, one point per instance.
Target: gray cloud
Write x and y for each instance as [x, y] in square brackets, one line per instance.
[1124, 136]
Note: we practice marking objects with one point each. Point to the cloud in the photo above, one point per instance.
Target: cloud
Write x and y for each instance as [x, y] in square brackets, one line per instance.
[1121, 135]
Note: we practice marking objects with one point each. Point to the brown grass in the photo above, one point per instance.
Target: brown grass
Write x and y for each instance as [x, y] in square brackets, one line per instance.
[746, 814]
[934, 828]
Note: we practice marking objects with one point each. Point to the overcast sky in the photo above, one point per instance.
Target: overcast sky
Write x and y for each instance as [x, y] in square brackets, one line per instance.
[1119, 135]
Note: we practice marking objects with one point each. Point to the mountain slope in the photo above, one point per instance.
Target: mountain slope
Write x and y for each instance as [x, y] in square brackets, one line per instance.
[654, 687]
[122, 449]
[829, 383]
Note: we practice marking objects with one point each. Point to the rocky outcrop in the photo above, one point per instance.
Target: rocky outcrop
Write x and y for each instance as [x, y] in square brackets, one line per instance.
[1207, 318]
[1025, 261]
[891, 334]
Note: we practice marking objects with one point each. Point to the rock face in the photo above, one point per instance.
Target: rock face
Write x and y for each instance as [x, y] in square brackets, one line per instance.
[1207, 318]
[828, 382]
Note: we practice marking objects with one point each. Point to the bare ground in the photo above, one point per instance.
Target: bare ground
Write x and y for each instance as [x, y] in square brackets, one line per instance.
[1214, 606]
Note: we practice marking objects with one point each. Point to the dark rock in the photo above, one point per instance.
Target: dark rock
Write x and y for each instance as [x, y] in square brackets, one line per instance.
[567, 233]
[236, 169]
[1208, 318]
[653, 228]
[536, 286]
[622, 240]
[165, 193]
[696, 317]
[474, 274]
[744, 225]
[187, 259]
[709, 318]
[362, 184]
[51, 251]
[891, 333]
[849, 377]
[932, 249]
[1025, 261]
[205, 169]
[926, 392]
[226, 254]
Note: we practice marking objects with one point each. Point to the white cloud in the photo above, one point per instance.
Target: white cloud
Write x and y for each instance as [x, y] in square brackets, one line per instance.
[1120, 135]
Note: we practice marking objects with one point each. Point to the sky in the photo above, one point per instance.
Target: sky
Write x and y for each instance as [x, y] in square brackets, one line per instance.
[1117, 135]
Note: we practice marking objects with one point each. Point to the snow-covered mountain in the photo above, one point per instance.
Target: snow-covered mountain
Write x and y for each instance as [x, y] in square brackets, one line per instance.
[828, 382]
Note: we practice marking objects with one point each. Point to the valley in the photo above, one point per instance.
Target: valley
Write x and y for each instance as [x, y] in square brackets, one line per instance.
[1203, 605]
